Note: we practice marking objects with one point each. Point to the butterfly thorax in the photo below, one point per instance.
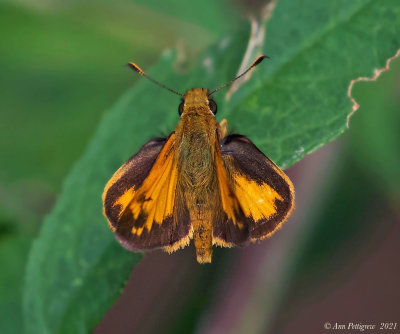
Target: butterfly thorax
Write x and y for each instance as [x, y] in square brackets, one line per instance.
[197, 133]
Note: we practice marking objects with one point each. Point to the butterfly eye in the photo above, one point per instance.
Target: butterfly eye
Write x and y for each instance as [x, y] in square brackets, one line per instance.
[213, 106]
[180, 108]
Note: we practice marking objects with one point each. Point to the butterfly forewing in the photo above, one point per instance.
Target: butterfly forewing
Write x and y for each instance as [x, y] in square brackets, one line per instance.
[141, 202]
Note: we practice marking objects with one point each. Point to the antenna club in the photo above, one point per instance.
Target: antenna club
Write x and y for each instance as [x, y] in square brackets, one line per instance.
[136, 68]
[255, 63]
[259, 60]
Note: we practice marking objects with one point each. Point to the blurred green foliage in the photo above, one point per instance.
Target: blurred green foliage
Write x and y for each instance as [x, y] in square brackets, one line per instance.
[55, 66]
[62, 66]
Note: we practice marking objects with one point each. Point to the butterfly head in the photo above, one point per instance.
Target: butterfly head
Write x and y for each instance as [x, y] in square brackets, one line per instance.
[197, 99]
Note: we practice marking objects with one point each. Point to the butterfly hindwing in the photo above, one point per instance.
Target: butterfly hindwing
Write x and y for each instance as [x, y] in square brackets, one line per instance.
[141, 202]
[257, 197]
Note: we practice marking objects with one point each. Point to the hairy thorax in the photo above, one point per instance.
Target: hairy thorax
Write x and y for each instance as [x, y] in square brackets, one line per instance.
[197, 132]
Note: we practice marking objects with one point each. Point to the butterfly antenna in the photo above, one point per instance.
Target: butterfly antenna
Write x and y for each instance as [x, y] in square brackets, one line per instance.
[139, 70]
[255, 63]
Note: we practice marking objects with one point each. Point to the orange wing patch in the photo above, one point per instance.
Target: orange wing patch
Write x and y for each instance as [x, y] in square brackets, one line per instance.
[155, 198]
[256, 200]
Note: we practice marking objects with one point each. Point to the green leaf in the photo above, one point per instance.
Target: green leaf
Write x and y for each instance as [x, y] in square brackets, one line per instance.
[298, 101]
[13, 255]
[292, 105]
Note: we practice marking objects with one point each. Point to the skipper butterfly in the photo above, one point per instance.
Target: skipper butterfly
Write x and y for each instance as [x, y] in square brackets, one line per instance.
[199, 183]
